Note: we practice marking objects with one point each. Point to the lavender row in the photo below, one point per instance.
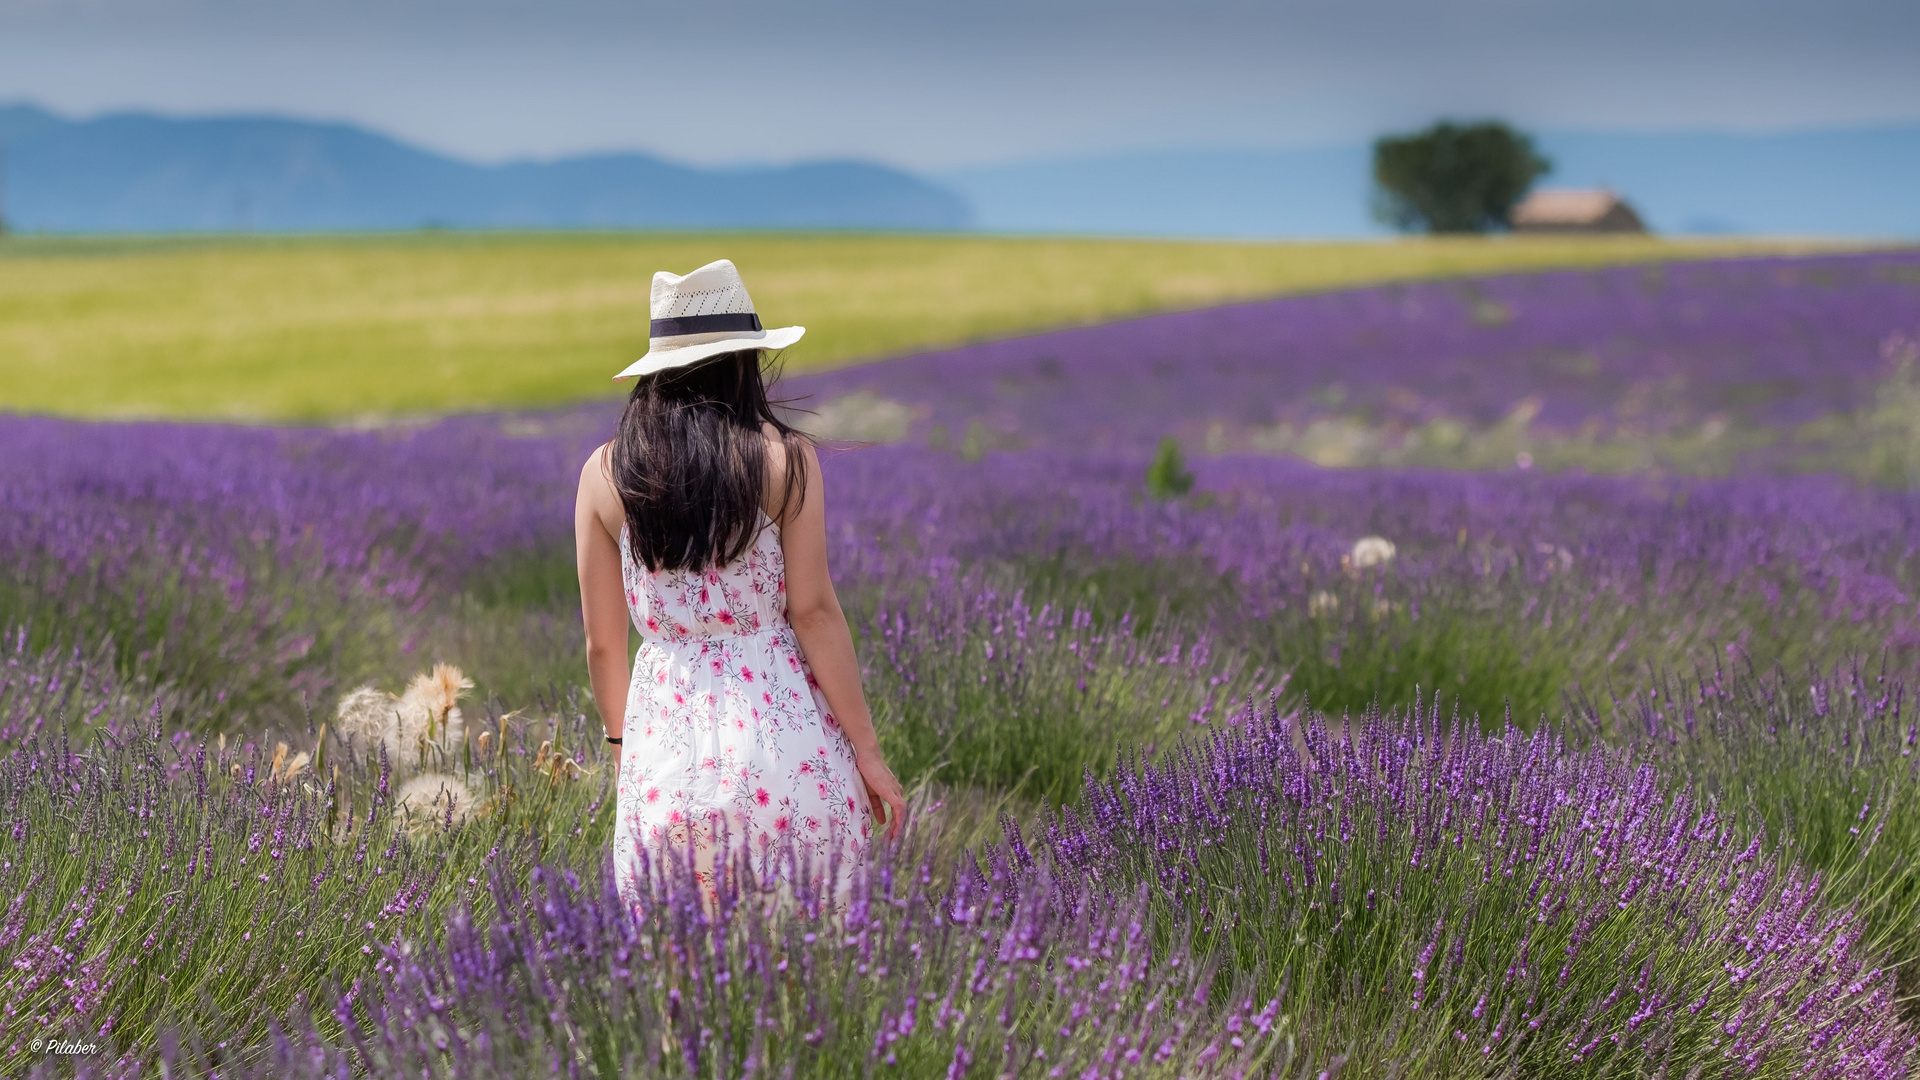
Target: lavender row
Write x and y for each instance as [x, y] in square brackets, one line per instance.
[265, 566]
[318, 558]
[1831, 765]
[1764, 341]
[43, 692]
[910, 979]
[185, 906]
[385, 511]
[1353, 890]
[1554, 911]
[1282, 532]
[158, 877]
[1370, 872]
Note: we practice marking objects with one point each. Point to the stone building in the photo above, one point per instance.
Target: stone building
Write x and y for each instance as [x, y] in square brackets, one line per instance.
[1572, 210]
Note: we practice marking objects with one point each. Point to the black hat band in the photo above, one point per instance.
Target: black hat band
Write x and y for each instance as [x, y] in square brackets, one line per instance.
[705, 324]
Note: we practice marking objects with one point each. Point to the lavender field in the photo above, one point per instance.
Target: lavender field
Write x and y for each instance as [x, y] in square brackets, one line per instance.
[1497, 678]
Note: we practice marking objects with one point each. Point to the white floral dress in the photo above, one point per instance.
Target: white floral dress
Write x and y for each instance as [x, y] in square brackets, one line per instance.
[728, 737]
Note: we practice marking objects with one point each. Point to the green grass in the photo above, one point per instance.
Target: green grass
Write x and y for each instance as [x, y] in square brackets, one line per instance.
[344, 327]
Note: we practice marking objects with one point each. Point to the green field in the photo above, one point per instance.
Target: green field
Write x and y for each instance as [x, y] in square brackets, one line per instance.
[343, 328]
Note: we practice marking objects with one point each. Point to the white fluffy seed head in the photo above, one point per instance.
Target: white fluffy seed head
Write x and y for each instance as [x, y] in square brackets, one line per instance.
[1371, 551]
[365, 718]
[427, 797]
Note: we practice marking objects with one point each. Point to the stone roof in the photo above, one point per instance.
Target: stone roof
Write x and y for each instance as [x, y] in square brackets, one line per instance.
[1564, 206]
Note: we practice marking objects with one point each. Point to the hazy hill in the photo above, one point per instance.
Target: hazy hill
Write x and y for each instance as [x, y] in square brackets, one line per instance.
[1839, 182]
[138, 172]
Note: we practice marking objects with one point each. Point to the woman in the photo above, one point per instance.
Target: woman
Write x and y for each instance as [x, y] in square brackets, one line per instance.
[704, 522]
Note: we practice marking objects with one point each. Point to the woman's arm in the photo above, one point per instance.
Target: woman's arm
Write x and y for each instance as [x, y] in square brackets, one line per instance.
[603, 595]
[821, 627]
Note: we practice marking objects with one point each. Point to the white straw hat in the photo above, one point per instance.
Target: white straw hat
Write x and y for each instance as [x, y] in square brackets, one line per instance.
[703, 314]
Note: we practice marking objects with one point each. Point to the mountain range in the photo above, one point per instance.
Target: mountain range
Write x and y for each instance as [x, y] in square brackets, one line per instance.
[138, 172]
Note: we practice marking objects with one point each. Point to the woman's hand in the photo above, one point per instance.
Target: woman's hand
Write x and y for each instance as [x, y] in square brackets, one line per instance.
[883, 790]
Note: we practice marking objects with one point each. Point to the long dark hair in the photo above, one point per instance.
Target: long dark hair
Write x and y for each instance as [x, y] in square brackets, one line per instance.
[690, 462]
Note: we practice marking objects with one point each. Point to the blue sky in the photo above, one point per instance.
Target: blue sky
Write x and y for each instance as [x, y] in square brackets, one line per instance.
[941, 85]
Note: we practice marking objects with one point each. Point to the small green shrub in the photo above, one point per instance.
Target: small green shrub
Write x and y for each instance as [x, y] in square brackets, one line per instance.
[1167, 476]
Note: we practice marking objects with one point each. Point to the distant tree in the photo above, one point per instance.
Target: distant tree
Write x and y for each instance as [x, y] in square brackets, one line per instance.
[1453, 178]
[1167, 475]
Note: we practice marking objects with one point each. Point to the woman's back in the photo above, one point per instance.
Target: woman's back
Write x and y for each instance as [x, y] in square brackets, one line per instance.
[777, 498]
[745, 596]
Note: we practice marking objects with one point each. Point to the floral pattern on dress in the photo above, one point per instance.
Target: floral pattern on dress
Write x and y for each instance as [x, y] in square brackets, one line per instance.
[728, 737]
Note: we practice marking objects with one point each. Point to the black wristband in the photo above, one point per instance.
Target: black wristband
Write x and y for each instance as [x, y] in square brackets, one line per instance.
[611, 739]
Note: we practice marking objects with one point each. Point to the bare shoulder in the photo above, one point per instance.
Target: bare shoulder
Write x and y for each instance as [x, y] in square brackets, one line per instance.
[597, 492]
[780, 465]
[595, 474]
